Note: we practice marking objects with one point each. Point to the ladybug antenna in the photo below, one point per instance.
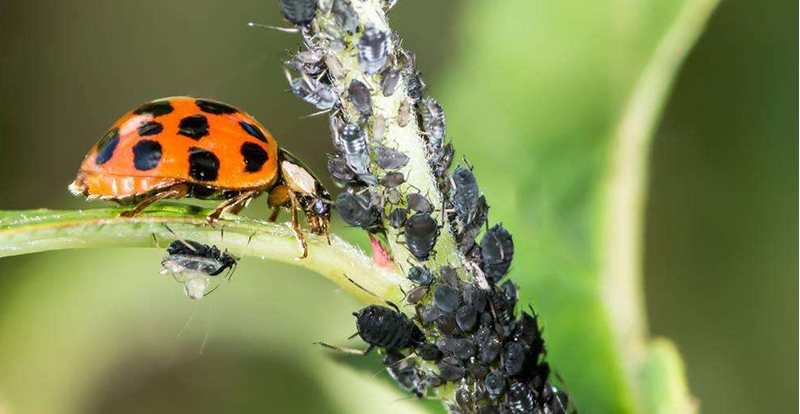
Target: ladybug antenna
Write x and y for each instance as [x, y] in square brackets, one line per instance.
[280, 29]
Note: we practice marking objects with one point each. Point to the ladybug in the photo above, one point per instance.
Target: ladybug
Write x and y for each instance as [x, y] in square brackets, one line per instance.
[186, 147]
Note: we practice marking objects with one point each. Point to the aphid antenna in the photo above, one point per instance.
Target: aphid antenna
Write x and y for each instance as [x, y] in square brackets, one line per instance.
[350, 351]
[280, 29]
[179, 238]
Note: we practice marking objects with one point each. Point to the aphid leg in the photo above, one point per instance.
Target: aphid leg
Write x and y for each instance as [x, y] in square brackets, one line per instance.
[175, 191]
[346, 350]
[234, 205]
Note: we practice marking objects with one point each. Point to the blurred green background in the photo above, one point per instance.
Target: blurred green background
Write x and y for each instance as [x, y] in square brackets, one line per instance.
[96, 331]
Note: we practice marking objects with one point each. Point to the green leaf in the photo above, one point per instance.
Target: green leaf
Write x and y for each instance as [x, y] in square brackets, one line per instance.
[556, 102]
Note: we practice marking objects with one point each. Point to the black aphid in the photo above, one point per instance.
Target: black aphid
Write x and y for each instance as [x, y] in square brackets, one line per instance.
[497, 251]
[345, 15]
[372, 51]
[446, 298]
[495, 384]
[387, 328]
[389, 79]
[390, 159]
[419, 203]
[521, 399]
[354, 145]
[392, 179]
[312, 91]
[358, 93]
[358, 211]
[433, 121]
[465, 194]
[420, 275]
[421, 232]
[398, 217]
[405, 371]
[299, 12]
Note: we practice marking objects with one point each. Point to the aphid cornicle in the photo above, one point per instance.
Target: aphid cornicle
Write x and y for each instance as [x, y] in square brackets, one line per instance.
[299, 12]
[358, 93]
[372, 50]
[186, 147]
[194, 264]
[421, 232]
[387, 328]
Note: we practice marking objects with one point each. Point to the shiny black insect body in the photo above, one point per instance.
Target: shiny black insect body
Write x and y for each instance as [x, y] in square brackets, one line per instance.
[497, 251]
[387, 328]
[299, 12]
[465, 194]
[358, 93]
[372, 50]
[357, 211]
[421, 232]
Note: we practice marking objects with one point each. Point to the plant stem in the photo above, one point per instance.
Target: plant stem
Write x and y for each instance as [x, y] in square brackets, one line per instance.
[23, 232]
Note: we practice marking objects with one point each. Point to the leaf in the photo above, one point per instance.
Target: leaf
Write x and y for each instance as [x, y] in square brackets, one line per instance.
[559, 100]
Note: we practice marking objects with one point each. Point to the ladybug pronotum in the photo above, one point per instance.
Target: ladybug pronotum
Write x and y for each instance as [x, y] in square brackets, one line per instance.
[186, 147]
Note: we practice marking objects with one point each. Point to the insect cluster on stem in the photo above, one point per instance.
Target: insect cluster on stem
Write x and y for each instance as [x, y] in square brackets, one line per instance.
[460, 324]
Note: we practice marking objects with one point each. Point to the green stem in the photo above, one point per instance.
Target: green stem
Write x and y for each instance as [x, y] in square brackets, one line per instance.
[24, 232]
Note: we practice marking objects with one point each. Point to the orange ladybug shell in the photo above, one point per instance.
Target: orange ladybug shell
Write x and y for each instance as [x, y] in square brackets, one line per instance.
[179, 140]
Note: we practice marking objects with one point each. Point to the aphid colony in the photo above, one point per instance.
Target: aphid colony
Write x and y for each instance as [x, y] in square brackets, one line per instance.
[466, 330]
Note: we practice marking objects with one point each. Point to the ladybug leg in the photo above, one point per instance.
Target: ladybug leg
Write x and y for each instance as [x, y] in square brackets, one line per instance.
[176, 191]
[234, 205]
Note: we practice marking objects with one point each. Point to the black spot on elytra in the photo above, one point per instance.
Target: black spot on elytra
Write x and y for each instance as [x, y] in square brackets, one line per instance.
[106, 146]
[157, 108]
[194, 127]
[146, 154]
[150, 128]
[203, 165]
[216, 108]
[253, 130]
[254, 157]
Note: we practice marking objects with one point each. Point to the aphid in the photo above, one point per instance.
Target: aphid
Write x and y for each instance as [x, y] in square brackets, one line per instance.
[387, 328]
[345, 16]
[489, 346]
[497, 251]
[495, 384]
[433, 121]
[421, 232]
[358, 93]
[398, 217]
[193, 263]
[390, 77]
[314, 92]
[186, 147]
[417, 294]
[466, 318]
[446, 298]
[513, 358]
[358, 212]
[354, 145]
[390, 159]
[403, 114]
[339, 170]
[420, 275]
[450, 369]
[405, 372]
[465, 195]
[463, 348]
[521, 399]
[299, 12]
[419, 203]
[392, 179]
[372, 51]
